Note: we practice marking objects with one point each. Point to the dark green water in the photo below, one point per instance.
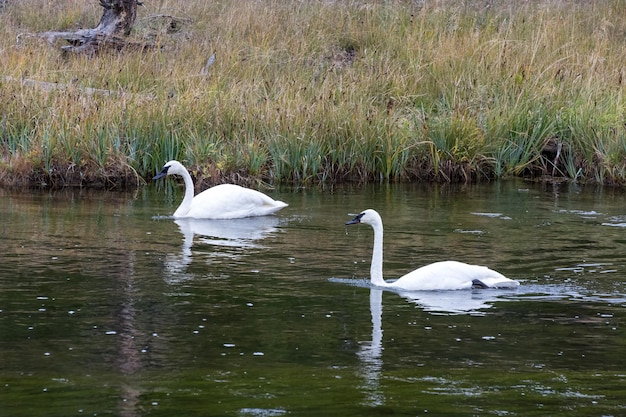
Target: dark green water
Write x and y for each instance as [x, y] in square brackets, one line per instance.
[108, 309]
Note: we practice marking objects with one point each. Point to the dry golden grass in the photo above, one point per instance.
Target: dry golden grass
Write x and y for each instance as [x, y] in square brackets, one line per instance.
[320, 91]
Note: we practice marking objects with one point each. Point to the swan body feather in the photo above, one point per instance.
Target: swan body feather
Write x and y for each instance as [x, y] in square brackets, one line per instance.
[225, 201]
[445, 275]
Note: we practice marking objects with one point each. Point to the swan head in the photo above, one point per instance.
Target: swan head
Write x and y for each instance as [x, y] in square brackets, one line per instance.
[170, 168]
[368, 216]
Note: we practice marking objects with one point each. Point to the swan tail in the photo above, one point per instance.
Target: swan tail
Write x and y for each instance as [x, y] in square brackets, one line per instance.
[476, 283]
[277, 204]
[274, 207]
[494, 282]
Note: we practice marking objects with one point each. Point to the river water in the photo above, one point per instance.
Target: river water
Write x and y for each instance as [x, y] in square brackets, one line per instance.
[109, 307]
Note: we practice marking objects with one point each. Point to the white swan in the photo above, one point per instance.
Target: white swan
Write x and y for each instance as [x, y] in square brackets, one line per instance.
[446, 275]
[225, 201]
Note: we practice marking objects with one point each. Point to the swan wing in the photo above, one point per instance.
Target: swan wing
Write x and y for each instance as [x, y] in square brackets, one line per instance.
[229, 201]
[452, 275]
[496, 281]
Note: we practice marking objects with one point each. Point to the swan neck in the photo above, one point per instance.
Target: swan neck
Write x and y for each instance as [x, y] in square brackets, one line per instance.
[185, 206]
[376, 269]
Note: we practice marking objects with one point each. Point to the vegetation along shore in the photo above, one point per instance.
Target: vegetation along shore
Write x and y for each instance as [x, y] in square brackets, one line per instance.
[282, 91]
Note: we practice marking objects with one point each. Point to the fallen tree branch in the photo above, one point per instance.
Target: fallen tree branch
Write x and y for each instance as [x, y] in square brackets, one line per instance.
[49, 86]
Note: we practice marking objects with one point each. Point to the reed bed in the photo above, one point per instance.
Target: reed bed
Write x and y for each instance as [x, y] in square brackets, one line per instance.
[319, 91]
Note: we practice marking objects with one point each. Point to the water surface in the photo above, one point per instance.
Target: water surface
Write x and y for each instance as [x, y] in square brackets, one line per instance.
[109, 307]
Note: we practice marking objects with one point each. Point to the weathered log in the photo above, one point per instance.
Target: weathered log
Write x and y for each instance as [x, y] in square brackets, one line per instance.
[118, 17]
[115, 25]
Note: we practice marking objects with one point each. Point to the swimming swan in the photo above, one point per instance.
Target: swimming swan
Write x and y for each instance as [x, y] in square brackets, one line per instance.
[446, 275]
[225, 201]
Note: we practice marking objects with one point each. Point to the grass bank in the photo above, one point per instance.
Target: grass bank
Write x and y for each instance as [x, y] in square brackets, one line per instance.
[319, 91]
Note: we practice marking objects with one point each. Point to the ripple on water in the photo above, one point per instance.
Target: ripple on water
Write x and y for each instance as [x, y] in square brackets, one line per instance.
[160, 217]
[262, 412]
[565, 291]
[469, 232]
[622, 225]
[477, 302]
[587, 214]
[355, 282]
[491, 215]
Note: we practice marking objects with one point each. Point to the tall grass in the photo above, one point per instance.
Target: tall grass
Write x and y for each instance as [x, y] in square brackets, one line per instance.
[320, 92]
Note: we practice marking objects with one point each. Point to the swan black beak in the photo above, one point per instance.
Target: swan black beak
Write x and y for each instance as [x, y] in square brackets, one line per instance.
[356, 220]
[161, 174]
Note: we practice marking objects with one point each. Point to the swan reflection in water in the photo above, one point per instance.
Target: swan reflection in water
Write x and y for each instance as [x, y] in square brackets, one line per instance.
[436, 302]
[472, 302]
[233, 234]
[370, 353]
